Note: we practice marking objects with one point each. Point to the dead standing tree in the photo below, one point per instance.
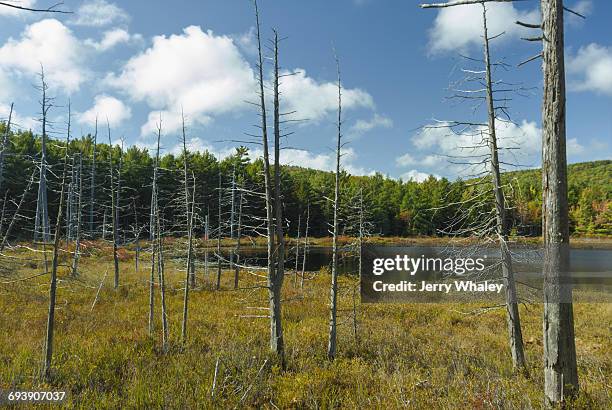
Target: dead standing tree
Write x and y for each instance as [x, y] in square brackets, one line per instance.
[276, 330]
[331, 346]
[560, 368]
[77, 246]
[53, 284]
[189, 211]
[277, 283]
[92, 187]
[489, 139]
[113, 208]
[41, 221]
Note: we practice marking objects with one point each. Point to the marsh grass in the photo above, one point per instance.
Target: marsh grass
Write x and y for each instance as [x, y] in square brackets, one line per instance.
[415, 356]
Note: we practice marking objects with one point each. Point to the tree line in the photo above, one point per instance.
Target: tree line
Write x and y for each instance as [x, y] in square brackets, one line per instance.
[396, 207]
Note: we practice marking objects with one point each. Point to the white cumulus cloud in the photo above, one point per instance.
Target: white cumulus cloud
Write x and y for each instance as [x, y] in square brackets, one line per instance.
[99, 13]
[457, 28]
[111, 38]
[50, 43]
[106, 107]
[363, 126]
[591, 69]
[314, 100]
[202, 72]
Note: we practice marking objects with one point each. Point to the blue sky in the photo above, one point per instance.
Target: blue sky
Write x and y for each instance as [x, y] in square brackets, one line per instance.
[132, 60]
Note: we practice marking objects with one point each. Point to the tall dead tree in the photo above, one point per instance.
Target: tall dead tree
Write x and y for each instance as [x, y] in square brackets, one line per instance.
[41, 221]
[113, 208]
[490, 140]
[159, 243]
[512, 310]
[189, 208]
[219, 231]
[560, 369]
[189, 261]
[153, 236]
[277, 284]
[53, 283]
[77, 246]
[276, 330]
[331, 346]
[92, 187]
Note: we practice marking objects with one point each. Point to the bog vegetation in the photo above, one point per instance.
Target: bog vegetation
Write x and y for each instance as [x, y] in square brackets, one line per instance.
[415, 356]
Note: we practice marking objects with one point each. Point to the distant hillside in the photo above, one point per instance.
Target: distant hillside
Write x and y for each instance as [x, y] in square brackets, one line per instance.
[582, 174]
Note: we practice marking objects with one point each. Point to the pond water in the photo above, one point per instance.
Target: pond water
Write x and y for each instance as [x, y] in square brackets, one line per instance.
[524, 259]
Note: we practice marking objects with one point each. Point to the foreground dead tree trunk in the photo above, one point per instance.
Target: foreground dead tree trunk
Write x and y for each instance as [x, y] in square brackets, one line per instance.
[331, 346]
[305, 246]
[491, 141]
[53, 285]
[277, 283]
[113, 209]
[512, 308]
[276, 330]
[560, 370]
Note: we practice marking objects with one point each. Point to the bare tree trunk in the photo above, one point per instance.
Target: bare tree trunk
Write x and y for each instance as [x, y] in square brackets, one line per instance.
[189, 261]
[331, 346]
[276, 334]
[560, 370]
[190, 273]
[113, 210]
[297, 250]
[305, 246]
[53, 286]
[231, 253]
[5, 143]
[92, 187]
[162, 283]
[137, 235]
[237, 252]
[116, 215]
[218, 285]
[77, 247]
[512, 309]
[104, 225]
[153, 237]
[206, 242]
[70, 203]
[160, 261]
[41, 222]
[277, 283]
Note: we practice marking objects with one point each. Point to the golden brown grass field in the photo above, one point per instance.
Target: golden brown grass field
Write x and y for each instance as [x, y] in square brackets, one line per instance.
[404, 356]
